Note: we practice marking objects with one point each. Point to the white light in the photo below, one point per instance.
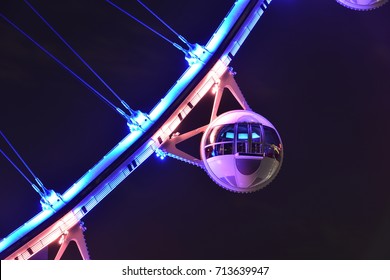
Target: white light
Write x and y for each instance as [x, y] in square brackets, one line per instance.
[161, 154]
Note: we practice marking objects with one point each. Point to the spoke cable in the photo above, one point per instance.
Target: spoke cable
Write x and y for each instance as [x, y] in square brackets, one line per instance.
[65, 67]
[40, 192]
[166, 25]
[186, 52]
[79, 57]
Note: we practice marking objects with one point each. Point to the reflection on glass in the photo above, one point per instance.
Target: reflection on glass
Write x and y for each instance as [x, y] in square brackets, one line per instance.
[242, 138]
[245, 139]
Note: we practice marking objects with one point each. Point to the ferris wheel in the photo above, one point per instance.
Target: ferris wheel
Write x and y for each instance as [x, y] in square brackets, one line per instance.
[239, 150]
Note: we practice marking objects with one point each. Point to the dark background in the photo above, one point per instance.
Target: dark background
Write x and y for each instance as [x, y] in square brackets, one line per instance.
[319, 71]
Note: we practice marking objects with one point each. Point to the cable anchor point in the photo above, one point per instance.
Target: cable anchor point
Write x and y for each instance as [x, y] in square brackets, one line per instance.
[195, 54]
[49, 198]
[136, 119]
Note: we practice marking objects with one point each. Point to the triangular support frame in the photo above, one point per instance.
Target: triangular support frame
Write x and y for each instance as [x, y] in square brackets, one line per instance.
[226, 81]
[75, 234]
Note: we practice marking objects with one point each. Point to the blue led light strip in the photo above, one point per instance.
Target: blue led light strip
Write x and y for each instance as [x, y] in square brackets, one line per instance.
[131, 162]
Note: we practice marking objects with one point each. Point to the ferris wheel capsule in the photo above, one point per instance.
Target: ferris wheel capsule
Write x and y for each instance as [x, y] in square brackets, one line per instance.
[241, 151]
[362, 5]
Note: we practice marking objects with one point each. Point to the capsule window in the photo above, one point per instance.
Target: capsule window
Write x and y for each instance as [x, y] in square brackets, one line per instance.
[249, 139]
[241, 138]
[272, 145]
[256, 139]
[220, 141]
[270, 136]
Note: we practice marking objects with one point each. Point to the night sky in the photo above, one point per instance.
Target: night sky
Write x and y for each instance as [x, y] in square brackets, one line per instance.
[318, 71]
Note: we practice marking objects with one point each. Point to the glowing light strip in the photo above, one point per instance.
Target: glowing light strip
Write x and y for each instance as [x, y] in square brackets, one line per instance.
[73, 217]
[52, 233]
